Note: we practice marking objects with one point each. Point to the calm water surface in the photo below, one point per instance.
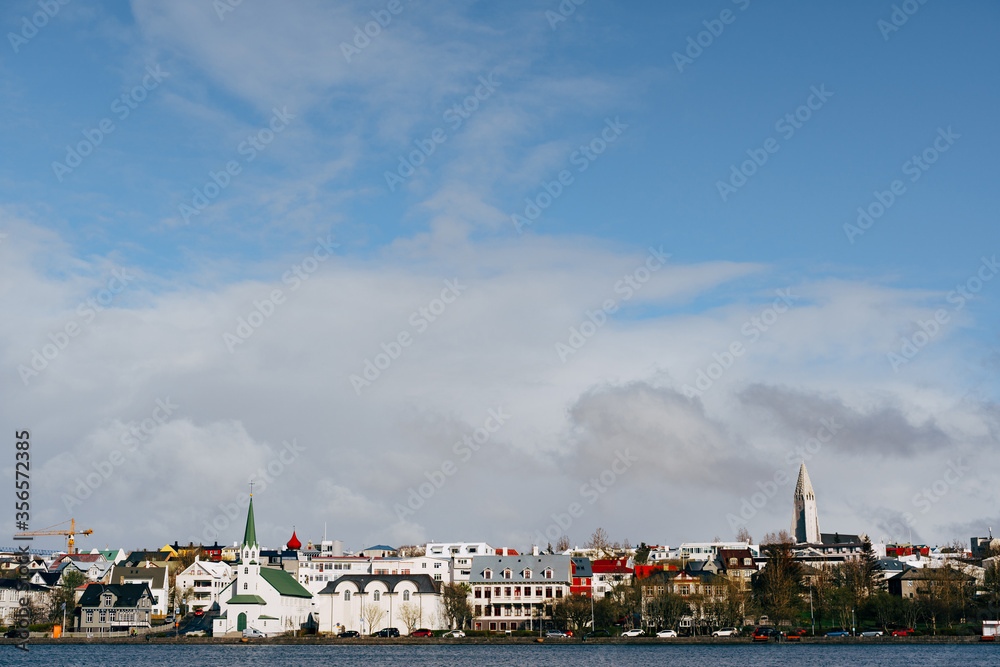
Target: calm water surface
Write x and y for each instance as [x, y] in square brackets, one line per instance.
[974, 655]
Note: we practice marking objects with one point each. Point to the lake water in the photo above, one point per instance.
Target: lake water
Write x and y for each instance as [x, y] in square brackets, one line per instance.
[969, 655]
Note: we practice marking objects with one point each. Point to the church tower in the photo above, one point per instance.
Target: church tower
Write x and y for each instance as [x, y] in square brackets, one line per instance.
[805, 520]
[248, 574]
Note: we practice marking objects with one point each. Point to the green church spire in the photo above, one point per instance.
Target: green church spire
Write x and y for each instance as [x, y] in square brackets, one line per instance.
[250, 534]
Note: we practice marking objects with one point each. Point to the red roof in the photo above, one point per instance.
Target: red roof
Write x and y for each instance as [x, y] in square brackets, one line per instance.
[610, 566]
[294, 543]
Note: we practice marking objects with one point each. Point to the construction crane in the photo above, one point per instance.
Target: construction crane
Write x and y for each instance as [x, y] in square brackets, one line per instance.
[70, 534]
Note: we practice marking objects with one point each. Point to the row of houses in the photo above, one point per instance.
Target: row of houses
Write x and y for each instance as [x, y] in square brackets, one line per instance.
[323, 587]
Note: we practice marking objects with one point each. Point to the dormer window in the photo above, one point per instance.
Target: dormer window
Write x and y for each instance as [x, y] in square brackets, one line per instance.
[526, 574]
[548, 573]
[487, 574]
[507, 574]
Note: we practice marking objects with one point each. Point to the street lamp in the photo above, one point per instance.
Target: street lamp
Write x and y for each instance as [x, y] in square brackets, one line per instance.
[853, 623]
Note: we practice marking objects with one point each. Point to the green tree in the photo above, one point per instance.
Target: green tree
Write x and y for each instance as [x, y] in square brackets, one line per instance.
[455, 598]
[641, 554]
[66, 593]
[777, 588]
[871, 578]
[573, 610]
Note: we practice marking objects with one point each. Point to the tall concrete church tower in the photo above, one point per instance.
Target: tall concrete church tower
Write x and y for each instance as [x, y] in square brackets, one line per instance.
[805, 520]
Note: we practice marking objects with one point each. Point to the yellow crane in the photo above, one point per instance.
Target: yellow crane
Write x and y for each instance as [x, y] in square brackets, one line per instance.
[70, 534]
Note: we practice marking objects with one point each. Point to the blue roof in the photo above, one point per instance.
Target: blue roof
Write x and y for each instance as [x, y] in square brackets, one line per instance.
[380, 547]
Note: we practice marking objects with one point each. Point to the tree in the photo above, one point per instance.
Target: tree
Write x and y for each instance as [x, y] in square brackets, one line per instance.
[871, 579]
[778, 587]
[743, 535]
[600, 543]
[562, 544]
[642, 554]
[411, 551]
[781, 537]
[410, 615]
[574, 610]
[885, 608]
[372, 612]
[666, 609]
[455, 599]
[991, 584]
[66, 593]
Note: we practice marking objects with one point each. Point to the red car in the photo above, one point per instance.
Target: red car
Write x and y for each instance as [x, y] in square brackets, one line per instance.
[422, 632]
[199, 612]
[795, 635]
[903, 632]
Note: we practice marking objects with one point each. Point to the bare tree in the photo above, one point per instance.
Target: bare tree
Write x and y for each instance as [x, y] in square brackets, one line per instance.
[562, 544]
[411, 551]
[600, 543]
[410, 615]
[372, 613]
[743, 535]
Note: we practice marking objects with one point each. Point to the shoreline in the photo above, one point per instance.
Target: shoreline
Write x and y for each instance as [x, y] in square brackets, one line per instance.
[493, 641]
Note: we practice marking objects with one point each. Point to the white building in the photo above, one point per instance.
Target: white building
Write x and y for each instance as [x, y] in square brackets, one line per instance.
[461, 554]
[710, 550]
[316, 572]
[439, 569]
[262, 598]
[369, 603]
[205, 581]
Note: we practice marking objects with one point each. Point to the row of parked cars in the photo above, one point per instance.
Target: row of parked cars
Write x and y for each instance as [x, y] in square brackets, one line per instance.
[394, 632]
[764, 634]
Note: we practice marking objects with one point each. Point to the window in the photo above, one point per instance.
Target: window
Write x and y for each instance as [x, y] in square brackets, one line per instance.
[506, 591]
[347, 596]
[478, 592]
[496, 591]
[244, 586]
[488, 574]
[90, 617]
[406, 596]
[517, 591]
[424, 565]
[437, 576]
[246, 570]
[538, 591]
[437, 566]
[479, 610]
[527, 574]
[507, 574]
[107, 599]
[548, 573]
[472, 550]
[375, 596]
[558, 592]
[548, 591]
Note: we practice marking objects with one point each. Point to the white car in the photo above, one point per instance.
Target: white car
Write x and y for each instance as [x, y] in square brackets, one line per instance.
[725, 632]
[666, 633]
[253, 632]
[454, 633]
[634, 632]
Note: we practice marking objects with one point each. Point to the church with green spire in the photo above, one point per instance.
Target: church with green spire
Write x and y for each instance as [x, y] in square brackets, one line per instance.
[262, 598]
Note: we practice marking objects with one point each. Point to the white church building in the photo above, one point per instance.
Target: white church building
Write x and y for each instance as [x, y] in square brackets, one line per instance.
[262, 598]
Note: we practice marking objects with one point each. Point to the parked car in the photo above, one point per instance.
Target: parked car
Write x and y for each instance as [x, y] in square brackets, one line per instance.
[556, 633]
[199, 612]
[169, 619]
[765, 634]
[725, 632]
[839, 633]
[454, 633]
[14, 633]
[666, 633]
[388, 632]
[253, 632]
[634, 632]
[795, 635]
[872, 633]
[903, 632]
[349, 633]
[597, 633]
[422, 632]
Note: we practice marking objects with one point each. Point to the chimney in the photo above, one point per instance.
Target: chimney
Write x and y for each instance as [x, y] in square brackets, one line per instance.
[534, 549]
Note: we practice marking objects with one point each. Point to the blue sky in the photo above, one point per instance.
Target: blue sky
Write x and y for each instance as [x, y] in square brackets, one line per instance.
[554, 86]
